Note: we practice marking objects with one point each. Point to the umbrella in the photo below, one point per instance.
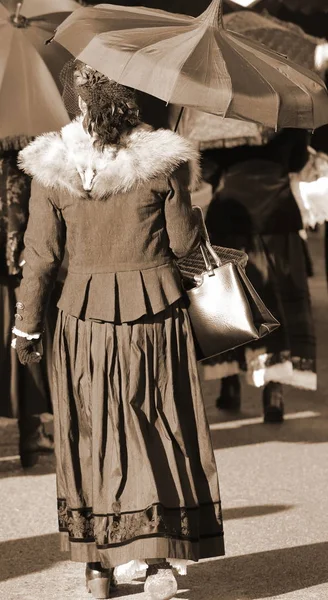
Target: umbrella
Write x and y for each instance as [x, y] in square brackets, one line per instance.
[280, 36]
[195, 61]
[30, 101]
[209, 131]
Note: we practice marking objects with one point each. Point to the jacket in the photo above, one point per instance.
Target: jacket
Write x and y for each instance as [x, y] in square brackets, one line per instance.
[124, 214]
[254, 194]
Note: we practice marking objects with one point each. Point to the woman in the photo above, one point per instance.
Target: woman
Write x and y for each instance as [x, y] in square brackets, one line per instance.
[136, 474]
[253, 209]
[25, 393]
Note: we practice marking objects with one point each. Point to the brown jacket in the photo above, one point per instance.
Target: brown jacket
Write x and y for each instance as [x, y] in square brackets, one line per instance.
[124, 216]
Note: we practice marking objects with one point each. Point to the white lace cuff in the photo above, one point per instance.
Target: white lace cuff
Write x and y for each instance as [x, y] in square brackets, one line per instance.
[28, 336]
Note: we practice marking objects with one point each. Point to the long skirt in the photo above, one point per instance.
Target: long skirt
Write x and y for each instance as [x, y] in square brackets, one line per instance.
[25, 391]
[136, 473]
[278, 269]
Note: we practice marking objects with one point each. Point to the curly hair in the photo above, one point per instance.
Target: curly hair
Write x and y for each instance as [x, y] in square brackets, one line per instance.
[111, 108]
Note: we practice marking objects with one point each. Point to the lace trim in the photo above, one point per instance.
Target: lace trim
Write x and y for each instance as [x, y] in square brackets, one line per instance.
[120, 528]
[28, 336]
[261, 367]
[138, 568]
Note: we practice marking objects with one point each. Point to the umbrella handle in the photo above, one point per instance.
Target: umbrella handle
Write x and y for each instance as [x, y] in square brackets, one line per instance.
[179, 119]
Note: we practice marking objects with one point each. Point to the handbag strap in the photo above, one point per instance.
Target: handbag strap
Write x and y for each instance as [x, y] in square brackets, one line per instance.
[205, 245]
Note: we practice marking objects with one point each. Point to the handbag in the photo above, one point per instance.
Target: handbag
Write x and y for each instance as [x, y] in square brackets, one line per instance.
[224, 308]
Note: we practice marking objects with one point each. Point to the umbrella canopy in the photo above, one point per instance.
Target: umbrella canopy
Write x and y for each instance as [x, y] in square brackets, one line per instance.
[286, 38]
[195, 61]
[30, 101]
[211, 131]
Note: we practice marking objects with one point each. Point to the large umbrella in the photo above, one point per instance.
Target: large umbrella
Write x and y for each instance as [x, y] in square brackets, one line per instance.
[30, 101]
[287, 38]
[195, 61]
[209, 131]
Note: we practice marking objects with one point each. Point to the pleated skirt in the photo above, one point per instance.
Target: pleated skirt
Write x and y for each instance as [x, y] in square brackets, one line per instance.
[136, 473]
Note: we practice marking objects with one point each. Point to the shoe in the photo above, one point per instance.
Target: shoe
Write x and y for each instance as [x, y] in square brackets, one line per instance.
[230, 397]
[99, 581]
[273, 404]
[31, 446]
[160, 582]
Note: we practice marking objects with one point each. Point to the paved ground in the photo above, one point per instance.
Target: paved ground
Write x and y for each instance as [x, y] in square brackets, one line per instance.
[274, 487]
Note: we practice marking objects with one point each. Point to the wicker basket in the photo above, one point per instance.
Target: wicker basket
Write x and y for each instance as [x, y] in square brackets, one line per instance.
[193, 264]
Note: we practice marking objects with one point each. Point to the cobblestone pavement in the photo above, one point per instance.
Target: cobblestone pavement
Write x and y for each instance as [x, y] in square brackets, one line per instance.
[274, 488]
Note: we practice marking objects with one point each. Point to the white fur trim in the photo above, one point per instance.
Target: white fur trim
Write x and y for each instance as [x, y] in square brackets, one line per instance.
[69, 161]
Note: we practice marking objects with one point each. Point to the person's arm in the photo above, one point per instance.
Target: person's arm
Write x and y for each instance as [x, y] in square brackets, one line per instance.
[44, 251]
[299, 154]
[182, 224]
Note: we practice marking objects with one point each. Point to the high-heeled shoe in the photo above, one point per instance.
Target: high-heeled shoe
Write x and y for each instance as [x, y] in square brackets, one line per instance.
[99, 581]
[273, 404]
[230, 396]
[160, 582]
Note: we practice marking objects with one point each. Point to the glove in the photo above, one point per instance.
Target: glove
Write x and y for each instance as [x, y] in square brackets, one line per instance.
[28, 351]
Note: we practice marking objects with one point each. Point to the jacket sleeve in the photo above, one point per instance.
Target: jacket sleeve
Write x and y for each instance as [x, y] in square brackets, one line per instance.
[44, 241]
[181, 222]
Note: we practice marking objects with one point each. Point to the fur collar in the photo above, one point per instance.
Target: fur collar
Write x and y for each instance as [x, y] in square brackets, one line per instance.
[68, 161]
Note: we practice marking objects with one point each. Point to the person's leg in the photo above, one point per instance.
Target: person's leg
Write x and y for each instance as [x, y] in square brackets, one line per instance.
[230, 395]
[34, 401]
[273, 403]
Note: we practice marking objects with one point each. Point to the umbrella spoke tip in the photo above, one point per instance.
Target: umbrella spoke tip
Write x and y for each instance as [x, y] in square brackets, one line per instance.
[213, 13]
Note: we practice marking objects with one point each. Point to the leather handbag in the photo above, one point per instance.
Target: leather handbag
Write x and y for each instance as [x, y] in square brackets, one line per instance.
[224, 308]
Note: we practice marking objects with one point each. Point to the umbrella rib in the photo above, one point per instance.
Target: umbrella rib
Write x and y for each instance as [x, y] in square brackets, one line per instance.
[254, 68]
[298, 84]
[8, 54]
[132, 57]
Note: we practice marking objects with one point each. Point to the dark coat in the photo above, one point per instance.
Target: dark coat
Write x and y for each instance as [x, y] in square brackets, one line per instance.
[254, 194]
[123, 215]
[14, 196]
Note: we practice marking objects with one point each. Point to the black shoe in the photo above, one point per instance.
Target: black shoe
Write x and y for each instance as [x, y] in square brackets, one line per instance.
[32, 445]
[273, 404]
[99, 580]
[230, 396]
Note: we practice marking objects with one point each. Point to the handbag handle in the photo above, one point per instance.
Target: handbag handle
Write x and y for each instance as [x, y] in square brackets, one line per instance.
[205, 247]
[205, 244]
